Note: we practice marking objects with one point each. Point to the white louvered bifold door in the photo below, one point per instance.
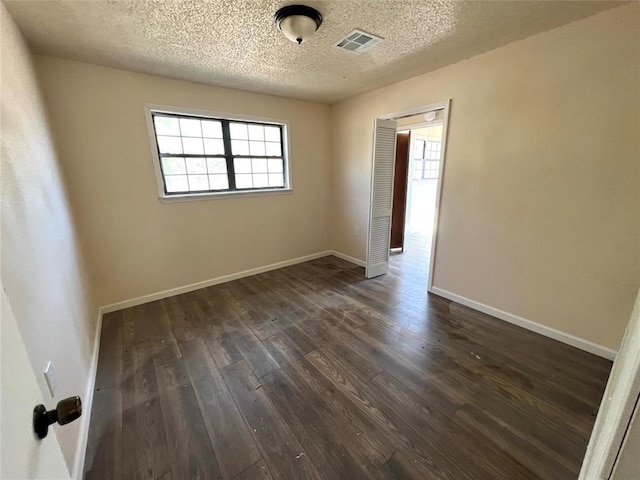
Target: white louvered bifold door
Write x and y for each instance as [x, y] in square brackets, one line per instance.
[384, 156]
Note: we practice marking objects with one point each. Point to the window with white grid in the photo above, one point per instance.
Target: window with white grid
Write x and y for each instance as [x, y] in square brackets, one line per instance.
[426, 157]
[206, 155]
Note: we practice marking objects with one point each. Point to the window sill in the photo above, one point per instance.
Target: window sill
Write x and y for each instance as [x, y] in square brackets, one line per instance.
[222, 195]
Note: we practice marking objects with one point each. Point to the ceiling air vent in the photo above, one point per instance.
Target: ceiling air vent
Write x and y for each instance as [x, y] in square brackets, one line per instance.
[358, 42]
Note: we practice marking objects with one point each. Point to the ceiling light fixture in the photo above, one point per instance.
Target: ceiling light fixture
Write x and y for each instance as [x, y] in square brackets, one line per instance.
[298, 22]
[431, 116]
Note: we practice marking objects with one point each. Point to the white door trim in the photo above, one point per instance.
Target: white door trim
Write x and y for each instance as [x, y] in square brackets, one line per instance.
[416, 110]
[445, 106]
[617, 405]
[436, 219]
[409, 180]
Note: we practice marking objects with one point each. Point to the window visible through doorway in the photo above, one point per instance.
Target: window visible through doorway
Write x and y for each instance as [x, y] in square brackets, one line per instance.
[426, 156]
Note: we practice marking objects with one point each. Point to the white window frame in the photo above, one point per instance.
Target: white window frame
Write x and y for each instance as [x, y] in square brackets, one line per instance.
[190, 197]
[423, 160]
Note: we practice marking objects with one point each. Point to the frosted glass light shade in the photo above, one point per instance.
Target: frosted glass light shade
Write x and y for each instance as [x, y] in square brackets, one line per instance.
[298, 28]
[298, 22]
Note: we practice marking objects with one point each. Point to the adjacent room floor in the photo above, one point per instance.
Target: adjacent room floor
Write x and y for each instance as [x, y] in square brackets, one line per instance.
[311, 371]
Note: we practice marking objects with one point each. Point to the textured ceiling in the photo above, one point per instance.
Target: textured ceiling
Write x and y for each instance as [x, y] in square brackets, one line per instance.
[234, 43]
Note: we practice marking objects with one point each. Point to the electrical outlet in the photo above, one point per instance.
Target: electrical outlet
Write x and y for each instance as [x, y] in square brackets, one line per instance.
[50, 377]
[357, 230]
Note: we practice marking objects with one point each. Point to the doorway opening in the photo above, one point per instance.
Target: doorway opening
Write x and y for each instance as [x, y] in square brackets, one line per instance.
[418, 151]
[408, 164]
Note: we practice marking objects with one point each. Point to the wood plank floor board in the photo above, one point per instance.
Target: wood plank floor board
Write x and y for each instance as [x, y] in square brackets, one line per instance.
[104, 452]
[219, 339]
[230, 436]
[110, 357]
[523, 451]
[262, 318]
[448, 434]
[458, 374]
[401, 466]
[189, 448]
[307, 377]
[567, 393]
[269, 293]
[280, 448]
[257, 471]
[383, 410]
[328, 445]
[183, 322]
[243, 339]
[552, 354]
[313, 371]
[144, 443]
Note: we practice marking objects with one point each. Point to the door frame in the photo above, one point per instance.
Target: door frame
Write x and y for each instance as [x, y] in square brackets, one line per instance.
[407, 209]
[403, 247]
[445, 106]
[412, 136]
[617, 406]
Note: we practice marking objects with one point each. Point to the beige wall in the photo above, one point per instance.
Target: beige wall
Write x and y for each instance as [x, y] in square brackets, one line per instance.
[540, 217]
[139, 246]
[42, 273]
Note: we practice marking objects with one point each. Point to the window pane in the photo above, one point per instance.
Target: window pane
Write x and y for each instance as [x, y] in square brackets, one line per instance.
[272, 134]
[193, 145]
[166, 125]
[244, 180]
[259, 165]
[173, 165]
[213, 146]
[216, 165]
[275, 165]
[169, 144]
[256, 132]
[260, 180]
[256, 148]
[276, 180]
[218, 182]
[196, 165]
[190, 127]
[198, 182]
[240, 147]
[238, 131]
[211, 129]
[194, 153]
[176, 183]
[242, 165]
[273, 149]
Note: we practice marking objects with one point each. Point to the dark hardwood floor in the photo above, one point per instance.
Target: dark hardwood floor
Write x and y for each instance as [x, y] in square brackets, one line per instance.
[312, 371]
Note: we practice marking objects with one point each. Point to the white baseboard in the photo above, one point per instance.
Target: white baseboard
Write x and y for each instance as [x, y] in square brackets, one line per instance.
[132, 302]
[347, 258]
[87, 404]
[572, 340]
